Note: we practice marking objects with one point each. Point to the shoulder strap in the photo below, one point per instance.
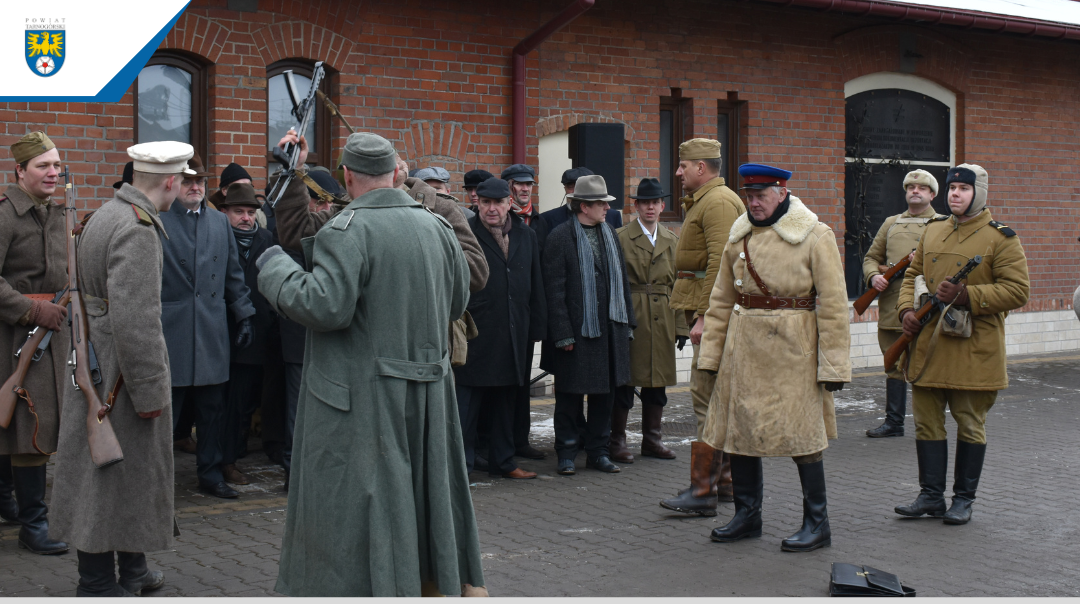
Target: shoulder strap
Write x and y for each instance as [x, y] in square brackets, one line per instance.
[141, 215]
[1004, 230]
[938, 218]
[750, 266]
[82, 224]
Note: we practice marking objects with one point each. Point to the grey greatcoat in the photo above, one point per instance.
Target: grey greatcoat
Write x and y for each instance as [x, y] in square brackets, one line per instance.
[379, 496]
[33, 260]
[127, 506]
[202, 287]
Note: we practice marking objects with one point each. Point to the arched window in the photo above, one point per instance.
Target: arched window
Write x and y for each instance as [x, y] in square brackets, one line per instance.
[895, 123]
[170, 101]
[279, 117]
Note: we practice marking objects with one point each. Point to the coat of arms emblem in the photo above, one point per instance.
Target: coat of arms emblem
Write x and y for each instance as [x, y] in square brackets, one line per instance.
[45, 51]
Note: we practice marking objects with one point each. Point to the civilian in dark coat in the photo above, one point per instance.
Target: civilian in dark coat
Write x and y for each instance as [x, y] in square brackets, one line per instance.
[563, 213]
[582, 365]
[510, 314]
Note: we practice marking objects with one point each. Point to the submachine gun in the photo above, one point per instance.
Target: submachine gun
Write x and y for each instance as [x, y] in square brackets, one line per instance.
[926, 312]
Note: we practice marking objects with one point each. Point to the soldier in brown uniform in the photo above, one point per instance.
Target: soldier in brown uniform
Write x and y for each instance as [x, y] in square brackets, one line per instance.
[896, 239]
[968, 365]
[710, 210]
[126, 508]
[33, 268]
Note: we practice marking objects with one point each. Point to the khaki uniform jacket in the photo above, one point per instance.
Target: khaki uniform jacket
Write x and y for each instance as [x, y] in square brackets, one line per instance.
[999, 284]
[128, 506]
[710, 212]
[33, 260]
[652, 351]
[769, 400]
[896, 238]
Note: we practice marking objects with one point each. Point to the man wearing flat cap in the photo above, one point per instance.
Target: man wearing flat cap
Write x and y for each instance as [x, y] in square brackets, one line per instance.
[522, 179]
[710, 208]
[126, 508]
[777, 339]
[378, 438]
[33, 268]
[897, 239]
[437, 178]
[966, 368]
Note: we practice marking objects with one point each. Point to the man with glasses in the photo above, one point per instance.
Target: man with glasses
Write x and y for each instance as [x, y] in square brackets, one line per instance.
[202, 285]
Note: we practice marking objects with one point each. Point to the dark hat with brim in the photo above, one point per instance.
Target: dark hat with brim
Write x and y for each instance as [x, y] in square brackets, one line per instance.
[128, 177]
[591, 188]
[649, 188]
[239, 194]
[195, 164]
[326, 181]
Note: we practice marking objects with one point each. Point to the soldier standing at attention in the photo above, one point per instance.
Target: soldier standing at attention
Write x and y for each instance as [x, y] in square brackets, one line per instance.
[33, 268]
[710, 209]
[968, 365]
[126, 508]
[897, 238]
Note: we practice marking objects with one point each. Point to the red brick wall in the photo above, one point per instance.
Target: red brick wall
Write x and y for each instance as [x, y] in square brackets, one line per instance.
[434, 77]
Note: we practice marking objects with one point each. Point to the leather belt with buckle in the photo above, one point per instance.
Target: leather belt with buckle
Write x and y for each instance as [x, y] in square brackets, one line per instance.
[774, 302]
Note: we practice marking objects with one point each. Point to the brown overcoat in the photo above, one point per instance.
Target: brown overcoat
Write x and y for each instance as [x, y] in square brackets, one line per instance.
[651, 271]
[999, 284]
[769, 401]
[33, 260]
[710, 212]
[127, 506]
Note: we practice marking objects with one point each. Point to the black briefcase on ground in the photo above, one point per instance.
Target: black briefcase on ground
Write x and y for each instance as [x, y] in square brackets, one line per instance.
[863, 581]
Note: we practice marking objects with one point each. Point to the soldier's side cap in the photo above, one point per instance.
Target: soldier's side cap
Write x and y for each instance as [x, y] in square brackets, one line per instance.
[161, 157]
[493, 188]
[31, 146]
[473, 178]
[369, 153]
[699, 148]
[761, 176]
[435, 173]
[921, 177]
[519, 173]
[239, 194]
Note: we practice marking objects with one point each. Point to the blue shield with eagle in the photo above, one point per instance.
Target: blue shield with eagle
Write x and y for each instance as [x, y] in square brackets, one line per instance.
[45, 51]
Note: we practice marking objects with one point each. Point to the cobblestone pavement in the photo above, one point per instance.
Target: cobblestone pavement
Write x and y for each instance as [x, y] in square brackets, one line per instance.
[605, 535]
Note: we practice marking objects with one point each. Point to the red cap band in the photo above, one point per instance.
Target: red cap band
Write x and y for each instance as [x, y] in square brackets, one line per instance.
[764, 180]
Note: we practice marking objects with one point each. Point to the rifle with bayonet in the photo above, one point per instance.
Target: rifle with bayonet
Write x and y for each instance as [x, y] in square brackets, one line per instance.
[926, 312]
[104, 447]
[303, 109]
[896, 271]
[37, 341]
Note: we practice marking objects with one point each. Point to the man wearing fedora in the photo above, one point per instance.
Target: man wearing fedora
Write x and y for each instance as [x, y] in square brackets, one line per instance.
[590, 324]
[202, 287]
[562, 213]
[649, 248]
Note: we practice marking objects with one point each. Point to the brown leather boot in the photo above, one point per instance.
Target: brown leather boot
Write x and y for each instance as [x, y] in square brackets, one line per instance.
[651, 443]
[185, 445]
[721, 477]
[234, 476]
[617, 443]
[700, 498]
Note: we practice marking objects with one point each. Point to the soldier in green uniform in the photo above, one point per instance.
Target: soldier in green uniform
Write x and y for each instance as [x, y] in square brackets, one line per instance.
[895, 240]
[967, 368]
[33, 267]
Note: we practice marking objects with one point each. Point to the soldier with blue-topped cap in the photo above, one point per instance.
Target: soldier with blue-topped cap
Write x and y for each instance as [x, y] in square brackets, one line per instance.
[780, 300]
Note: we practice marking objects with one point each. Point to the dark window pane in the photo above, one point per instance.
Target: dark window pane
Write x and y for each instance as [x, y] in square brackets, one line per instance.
[164, 104]
[724, 136]
[666, 162]
[279, 108]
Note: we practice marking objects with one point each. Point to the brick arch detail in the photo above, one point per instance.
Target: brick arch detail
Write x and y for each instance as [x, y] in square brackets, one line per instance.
[877, 48]
[445, 144]
[563, 121]
[293, 39]
[198, 35]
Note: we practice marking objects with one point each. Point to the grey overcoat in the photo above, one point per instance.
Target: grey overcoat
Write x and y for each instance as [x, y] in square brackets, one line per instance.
[127, 506]
[379, 495]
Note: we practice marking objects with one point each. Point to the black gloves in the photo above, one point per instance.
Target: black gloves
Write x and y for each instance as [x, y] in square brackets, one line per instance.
[833, 386]
[245, 333]
[682, 340]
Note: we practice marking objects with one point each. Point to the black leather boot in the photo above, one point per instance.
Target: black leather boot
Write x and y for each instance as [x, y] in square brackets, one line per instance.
[135, 577]
[933, 463]
[815, 531]
[9, 509]
[700, 498]
[97, 577]
[969, 463]
[617, 441]
[30, 491]
[747, 485]
[895, 409]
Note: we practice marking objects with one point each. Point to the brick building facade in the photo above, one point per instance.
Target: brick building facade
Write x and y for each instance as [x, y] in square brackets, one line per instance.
[435, 78]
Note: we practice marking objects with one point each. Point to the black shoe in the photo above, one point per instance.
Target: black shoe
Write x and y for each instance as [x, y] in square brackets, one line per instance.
[969, 463]
[30, 493]
[528, 452]
[602, 463]
[705, 465]
[933, 463]
[219, 490]
[566, 467]
[479, 464]
[135, 577]
[748, 487]
[895, 408]
[9, 509]
[815, 531]
[884, 430]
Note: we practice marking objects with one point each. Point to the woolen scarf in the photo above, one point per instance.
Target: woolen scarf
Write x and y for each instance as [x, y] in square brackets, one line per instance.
[525, 212]
[590, 327]
[500, 233]
[244, 239]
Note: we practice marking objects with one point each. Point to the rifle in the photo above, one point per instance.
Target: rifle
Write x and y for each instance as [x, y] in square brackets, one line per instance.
[304, 111]
[104, 447]
[38, 341]
[925, 313]
[895, 272]
[333, 109]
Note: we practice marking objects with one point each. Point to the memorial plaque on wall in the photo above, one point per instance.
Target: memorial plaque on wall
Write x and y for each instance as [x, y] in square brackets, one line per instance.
[897, 124]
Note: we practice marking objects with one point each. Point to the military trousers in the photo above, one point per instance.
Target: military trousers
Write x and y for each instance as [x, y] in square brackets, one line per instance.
[885, 340]
[968, 408]
[701, 384]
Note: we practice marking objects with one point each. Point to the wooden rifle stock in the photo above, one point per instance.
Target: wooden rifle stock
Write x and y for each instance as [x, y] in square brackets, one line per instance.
[9, 391]
[104, 447]
[896, 270]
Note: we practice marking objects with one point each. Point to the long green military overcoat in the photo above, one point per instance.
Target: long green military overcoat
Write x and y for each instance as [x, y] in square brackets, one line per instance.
[379, 496]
